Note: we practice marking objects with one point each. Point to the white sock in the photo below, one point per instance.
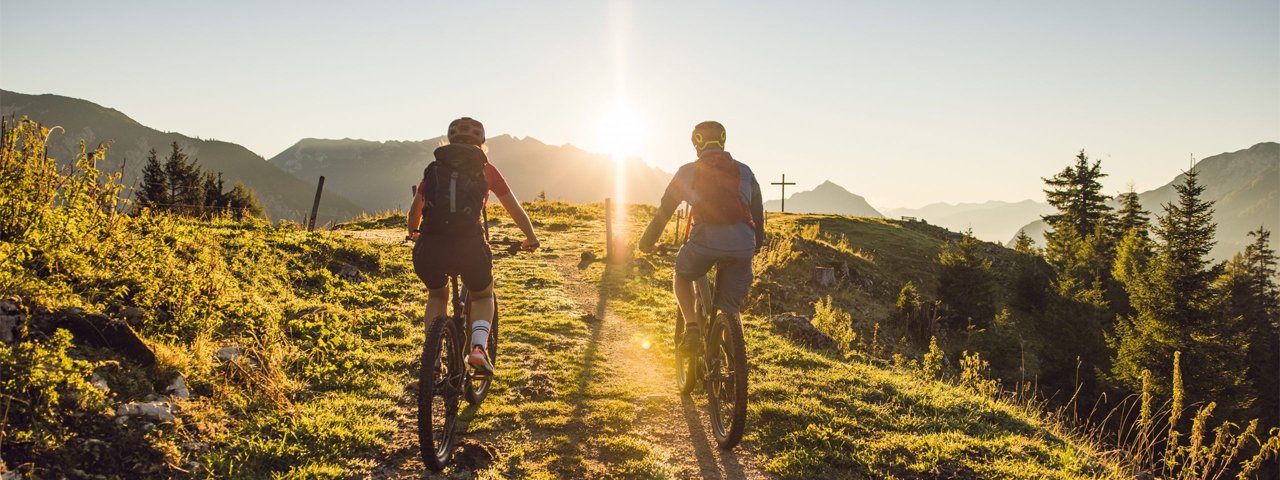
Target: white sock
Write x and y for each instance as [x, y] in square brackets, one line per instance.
[480, 333]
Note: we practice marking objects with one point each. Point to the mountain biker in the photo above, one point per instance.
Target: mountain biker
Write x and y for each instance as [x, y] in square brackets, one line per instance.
[444, 223]
[728, 225]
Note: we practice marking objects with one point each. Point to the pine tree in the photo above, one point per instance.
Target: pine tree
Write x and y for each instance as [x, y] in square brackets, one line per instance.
[215, 201]
[185, 190]
[1253, 298]
[1076, 192]
[1179, 308]
[153, 192]
[1132, 215]
[965, 283]
[243, 202]
[1024, 244]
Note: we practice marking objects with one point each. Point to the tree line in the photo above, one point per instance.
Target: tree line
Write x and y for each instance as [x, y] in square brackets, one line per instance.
[1112, 299]
[178, 184]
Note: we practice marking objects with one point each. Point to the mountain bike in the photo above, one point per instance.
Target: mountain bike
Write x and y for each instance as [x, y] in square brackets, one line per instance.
[719, 367]
[444, 375]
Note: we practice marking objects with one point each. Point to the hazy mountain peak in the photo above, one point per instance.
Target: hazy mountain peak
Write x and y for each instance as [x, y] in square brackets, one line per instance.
[828, 197]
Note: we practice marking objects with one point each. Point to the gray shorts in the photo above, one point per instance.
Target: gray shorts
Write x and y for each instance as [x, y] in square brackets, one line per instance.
[735, 276]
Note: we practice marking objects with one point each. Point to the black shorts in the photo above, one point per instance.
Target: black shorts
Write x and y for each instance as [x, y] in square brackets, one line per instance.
[436, 257]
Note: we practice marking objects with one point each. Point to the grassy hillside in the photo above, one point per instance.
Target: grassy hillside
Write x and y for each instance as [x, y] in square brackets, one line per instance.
[285, 197]
[324, 332]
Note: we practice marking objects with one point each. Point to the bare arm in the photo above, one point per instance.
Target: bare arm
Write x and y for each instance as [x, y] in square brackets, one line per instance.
[415, 215]
[513, 207]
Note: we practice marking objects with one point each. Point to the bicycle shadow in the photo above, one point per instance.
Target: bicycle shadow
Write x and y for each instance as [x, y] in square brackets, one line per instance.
[730, 466]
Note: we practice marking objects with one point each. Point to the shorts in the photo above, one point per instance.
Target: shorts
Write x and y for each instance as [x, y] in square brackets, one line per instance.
[734, 277]
[436, 257]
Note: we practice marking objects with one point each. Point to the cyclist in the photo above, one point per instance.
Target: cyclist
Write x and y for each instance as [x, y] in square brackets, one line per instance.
[728, 225]
[444, 223]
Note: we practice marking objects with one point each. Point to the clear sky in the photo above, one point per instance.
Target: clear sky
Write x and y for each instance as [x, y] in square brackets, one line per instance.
[906, 103]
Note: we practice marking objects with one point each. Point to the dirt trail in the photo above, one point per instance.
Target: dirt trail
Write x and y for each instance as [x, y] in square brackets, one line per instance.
[677, 425]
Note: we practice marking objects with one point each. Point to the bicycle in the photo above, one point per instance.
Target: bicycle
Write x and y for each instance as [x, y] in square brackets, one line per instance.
[443, 374]
[719, 367]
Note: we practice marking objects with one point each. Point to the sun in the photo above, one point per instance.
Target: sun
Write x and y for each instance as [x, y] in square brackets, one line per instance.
[620, 131]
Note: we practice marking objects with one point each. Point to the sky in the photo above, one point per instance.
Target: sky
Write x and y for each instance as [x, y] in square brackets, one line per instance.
[905, 103]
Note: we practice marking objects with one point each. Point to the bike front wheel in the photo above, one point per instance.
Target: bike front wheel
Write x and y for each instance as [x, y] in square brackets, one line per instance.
[727, 380]
[439, 379]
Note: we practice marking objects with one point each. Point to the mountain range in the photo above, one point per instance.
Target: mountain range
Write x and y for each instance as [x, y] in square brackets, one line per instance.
[992, 221]
[826, 198]
[284, 196]
[378, 175]
[1244, 186]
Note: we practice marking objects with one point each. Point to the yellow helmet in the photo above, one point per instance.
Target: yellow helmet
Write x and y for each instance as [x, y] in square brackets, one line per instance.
[707, 133]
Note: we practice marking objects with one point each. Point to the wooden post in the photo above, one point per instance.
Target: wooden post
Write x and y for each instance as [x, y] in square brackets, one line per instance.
[825, 276]
[608, 229]
[311, 224]
[413, 190]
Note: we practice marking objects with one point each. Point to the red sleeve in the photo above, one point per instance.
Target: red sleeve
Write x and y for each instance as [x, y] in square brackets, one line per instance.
[497, 184]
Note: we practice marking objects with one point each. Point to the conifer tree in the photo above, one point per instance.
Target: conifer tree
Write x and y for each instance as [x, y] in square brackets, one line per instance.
[153, 192]
[1250, 287]
[1132, 215]
[215, 201]
[965, 283]
[1179, 308]
[1076, 192]
[1024, 244]
[243, 202]
[185, 189]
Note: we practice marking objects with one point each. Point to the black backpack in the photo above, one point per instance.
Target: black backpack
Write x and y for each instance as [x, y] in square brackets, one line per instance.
[454, 189]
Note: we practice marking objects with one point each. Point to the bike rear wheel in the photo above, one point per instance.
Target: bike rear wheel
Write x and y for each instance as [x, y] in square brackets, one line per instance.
[439, 379]
[727, 380]
[478, 385]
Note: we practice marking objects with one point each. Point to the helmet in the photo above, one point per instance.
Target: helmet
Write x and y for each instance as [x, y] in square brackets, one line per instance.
[707, 133]
[466, 130]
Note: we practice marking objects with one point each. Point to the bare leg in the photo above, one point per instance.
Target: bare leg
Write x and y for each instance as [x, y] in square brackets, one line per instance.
[684, 296]
[481, 312]
[437, 303]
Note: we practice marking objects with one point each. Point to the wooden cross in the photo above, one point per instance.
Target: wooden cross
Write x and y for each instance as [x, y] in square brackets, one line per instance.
[784, 184]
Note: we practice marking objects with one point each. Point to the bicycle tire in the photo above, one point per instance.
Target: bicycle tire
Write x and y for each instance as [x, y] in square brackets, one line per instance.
[727, 381]
[477, 390]
[438, 381]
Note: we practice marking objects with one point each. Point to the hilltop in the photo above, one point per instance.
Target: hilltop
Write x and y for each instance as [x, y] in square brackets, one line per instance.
[827, 198]
[377, 175]
[284, 196]
[1244, 186]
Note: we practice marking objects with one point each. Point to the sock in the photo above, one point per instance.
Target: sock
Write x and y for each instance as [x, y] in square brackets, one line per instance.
[480, 333]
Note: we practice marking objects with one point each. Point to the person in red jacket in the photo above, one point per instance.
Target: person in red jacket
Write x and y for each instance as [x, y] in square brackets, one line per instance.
[459, 247]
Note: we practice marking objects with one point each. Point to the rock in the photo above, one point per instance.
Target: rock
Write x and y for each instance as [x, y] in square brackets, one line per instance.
[229, 353]
[159, 411]
[347, 272]
[11, 319]
[98, 330]
[132, 315]
[589, 318]
[800, 329]
[178, 388]
[99, 383]
[587, 259]
[194, 447]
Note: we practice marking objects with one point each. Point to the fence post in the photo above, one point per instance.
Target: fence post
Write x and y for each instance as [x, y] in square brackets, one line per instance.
[608, 228]
[311, 224]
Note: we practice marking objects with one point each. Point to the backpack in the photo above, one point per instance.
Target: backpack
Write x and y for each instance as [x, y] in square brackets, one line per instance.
[454, 189]
[717, 181]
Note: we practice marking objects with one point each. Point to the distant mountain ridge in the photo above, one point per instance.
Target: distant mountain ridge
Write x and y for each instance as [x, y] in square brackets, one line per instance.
[283, 195]
[827, 198]
[993, 220]
[378, 175]
[1244, 186]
